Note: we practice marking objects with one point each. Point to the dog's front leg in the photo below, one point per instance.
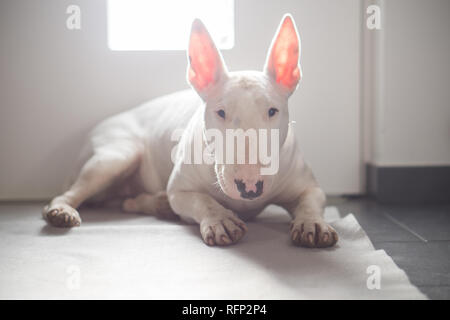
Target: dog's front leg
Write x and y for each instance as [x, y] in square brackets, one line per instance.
[308, 228]
[218, 225]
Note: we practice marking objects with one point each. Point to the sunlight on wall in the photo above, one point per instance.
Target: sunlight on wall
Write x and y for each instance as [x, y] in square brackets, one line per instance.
[165, 24]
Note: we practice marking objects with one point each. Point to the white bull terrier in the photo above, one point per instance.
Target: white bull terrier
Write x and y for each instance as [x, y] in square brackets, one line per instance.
[129, 155]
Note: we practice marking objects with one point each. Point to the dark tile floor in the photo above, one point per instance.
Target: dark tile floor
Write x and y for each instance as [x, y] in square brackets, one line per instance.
[416, 237]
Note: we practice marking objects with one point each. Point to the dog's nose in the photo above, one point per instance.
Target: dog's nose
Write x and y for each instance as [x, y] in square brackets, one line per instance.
[249, 193]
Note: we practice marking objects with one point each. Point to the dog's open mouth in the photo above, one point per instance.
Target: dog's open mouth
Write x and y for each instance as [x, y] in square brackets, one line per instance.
[250, 195]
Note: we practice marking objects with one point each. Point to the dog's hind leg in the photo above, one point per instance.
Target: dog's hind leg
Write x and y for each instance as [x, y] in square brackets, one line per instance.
[107, 164]
[153, 204]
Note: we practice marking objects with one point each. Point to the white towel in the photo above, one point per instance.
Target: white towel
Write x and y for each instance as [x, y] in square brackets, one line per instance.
[122, 255]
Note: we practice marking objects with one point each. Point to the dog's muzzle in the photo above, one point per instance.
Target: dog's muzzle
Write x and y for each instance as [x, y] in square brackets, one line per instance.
[249, 194]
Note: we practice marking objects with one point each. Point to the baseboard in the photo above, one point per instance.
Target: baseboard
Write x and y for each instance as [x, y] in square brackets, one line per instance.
[409, 185]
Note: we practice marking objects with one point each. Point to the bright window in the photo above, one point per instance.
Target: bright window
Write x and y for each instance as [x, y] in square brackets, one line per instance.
[165, 24]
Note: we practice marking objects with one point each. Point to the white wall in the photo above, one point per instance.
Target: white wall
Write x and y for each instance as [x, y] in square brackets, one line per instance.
[408, 71]
[56, 84]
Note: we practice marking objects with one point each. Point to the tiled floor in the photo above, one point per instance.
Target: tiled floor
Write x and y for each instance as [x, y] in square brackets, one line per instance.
[416, 237]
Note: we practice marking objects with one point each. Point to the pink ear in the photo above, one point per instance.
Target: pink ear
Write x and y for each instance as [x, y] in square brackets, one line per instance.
[282, 62]
[205, 63]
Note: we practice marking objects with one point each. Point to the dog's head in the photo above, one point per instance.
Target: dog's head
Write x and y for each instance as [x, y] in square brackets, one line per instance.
[253, 101]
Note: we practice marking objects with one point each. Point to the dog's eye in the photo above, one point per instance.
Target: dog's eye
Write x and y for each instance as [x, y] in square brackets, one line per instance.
[272, 111]
[221, 113]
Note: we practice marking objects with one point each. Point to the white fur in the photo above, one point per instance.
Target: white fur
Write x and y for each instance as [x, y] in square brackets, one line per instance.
[128, 156]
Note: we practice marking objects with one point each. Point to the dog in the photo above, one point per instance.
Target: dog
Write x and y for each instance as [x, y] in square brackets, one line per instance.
[128, 156]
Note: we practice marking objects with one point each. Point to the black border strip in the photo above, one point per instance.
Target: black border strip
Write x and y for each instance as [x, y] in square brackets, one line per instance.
[409, 185]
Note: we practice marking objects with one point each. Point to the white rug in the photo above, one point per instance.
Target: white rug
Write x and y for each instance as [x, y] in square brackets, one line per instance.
[120, 255]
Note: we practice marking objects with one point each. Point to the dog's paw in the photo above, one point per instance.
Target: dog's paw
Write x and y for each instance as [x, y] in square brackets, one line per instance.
[313, 233]
[130, 205]
[62, 215]
[163, 208]
[156, 205]
[222, 230]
